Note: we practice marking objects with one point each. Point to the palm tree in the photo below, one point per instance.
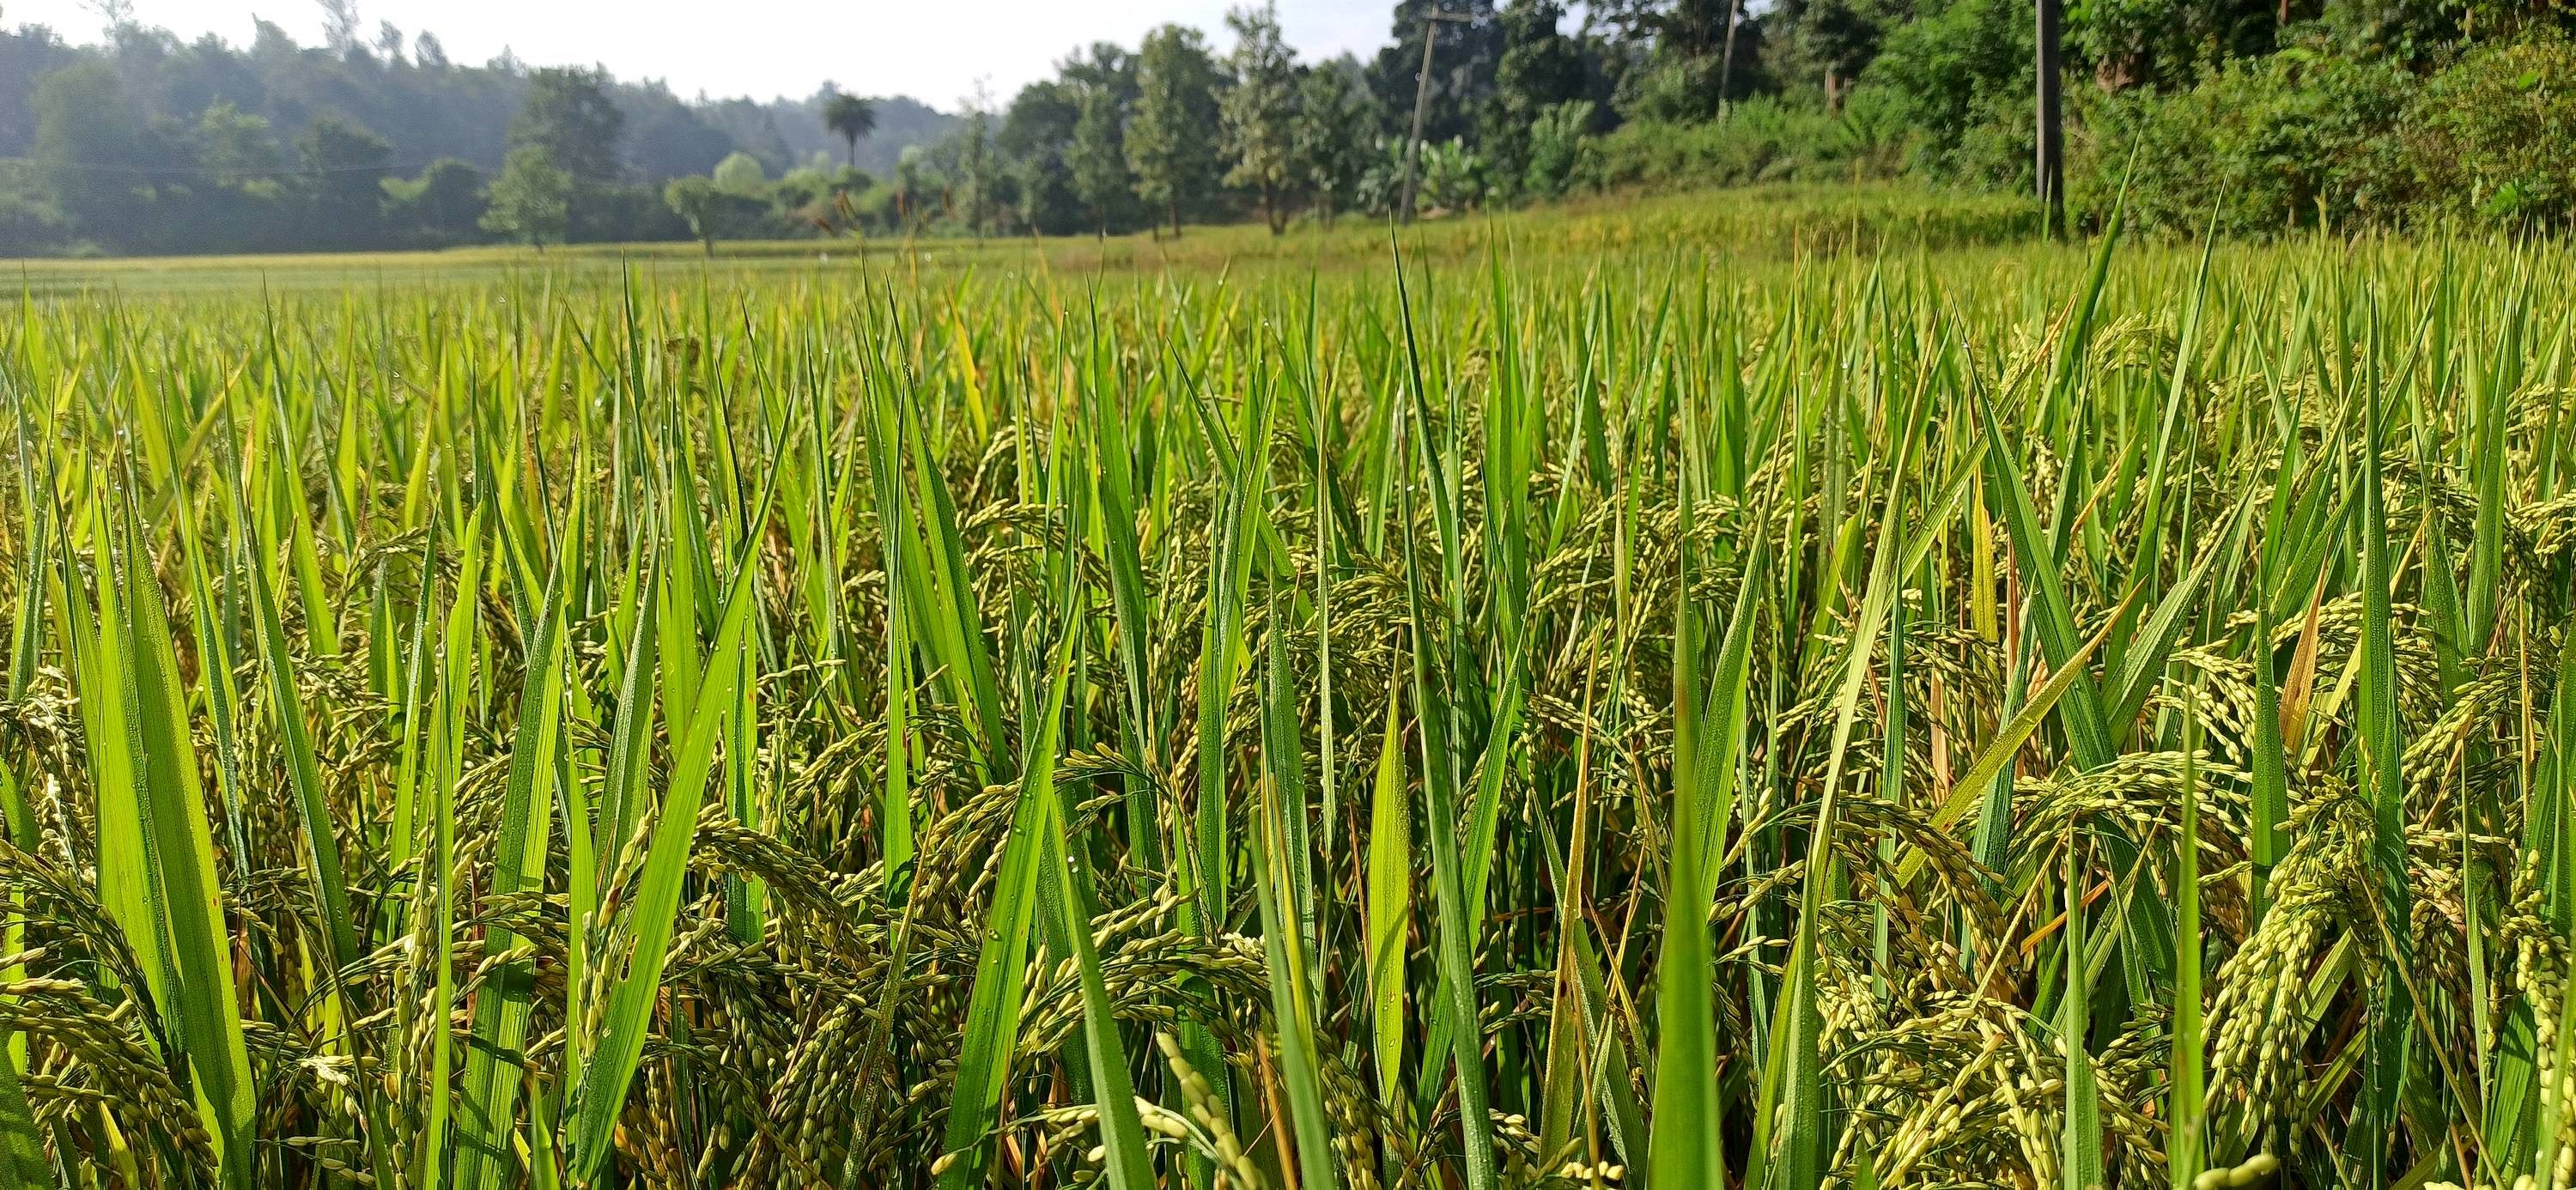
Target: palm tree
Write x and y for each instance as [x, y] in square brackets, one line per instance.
[852, 117]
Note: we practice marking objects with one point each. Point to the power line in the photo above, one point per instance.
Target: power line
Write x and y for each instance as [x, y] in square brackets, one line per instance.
[193, 171]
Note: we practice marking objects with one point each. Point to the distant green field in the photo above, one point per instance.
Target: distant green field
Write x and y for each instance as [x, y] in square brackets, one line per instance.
[1764, 222]
[1778, 690]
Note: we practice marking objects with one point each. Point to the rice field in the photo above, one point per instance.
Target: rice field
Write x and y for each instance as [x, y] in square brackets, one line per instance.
[1619, 709]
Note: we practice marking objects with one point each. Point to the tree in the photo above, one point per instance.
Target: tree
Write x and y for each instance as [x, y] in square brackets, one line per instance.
[1048, 205]
[90, 149]
[339, 26]
[233, 146]
[1260, 110]
[442, 206]
[1169, 148]
[567, 113]
[851, 118]
[913, 178]
[343, 179]
[1105, 66]
[694, 200]
[1041, 118]
[1334, 124]
[1836, 38]
[740, 175]
[1036, 137]
[532, 199]
[1542, 69]
[1555, 143]
[1099, 158]
[667, 136]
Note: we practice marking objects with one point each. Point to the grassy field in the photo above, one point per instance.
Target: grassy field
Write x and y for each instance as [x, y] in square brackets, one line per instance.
[1676, 695]
[1767, 223]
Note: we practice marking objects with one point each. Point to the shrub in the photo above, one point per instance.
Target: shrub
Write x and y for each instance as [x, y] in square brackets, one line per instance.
[2488, 140]
[1453, 176]
[1556, 147]
[1759, 140]
[2267, 144]
[1960, 76]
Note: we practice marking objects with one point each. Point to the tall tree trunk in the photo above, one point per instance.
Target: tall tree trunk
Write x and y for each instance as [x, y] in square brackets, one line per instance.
[2052, 122]
[1726, 56]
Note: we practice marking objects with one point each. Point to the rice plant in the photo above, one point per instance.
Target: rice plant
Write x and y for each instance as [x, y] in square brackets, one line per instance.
[1507, 712]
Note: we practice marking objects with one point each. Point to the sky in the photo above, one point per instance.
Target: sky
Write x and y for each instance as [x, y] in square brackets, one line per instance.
[937, 52]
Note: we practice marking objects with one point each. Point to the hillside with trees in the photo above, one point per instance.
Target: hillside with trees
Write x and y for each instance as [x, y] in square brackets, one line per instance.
[2262, 114]
[145, 143]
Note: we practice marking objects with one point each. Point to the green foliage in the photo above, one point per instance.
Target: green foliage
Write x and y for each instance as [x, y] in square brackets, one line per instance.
[195, 137]
[1959, 77]
[90, 148]
[344, 168]
[1171, 136]
[850, 117]
[568, 115]
[1098, 159]
[740, 175]
[2263, 145]
[1334, 125]
[1455, 177]
[29, 221]
[695, 200]
[1831, 41]
[1542, 69]
[443, 206]
[2377, 112]
[235, 147]
[1260, 111]
[1556, 147]
[1467, 56]
[2487, 138]
[1671, 89]
[2164, 43]
[1760, 140]
[532, 199]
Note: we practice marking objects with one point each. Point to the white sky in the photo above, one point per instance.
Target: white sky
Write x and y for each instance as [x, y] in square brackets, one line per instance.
[935, 51]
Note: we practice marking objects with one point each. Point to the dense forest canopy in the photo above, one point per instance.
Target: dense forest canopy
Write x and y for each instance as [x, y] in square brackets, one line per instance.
[2271, 113]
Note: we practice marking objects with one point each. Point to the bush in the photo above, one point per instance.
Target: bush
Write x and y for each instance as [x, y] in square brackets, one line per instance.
[1673, 89]
[1556, 147]
[2267, 144]
[2488, 140]
[1759, 140]
[29, 225]
[1960, 76]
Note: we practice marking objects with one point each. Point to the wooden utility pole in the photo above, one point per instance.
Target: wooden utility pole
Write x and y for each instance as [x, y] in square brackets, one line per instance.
[1421, 102]
[2052, 122]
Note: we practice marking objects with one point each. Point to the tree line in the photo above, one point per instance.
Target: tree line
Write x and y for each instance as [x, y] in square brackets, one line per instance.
[143, 142]
[2274, 113]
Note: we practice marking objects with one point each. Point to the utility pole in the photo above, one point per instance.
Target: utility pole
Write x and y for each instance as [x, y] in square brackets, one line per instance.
[1431, 19]
[2052, 123]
